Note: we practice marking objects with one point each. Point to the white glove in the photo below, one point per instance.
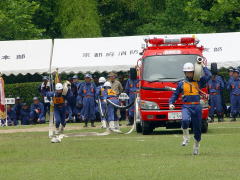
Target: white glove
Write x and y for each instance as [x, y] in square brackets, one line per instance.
[171, 106]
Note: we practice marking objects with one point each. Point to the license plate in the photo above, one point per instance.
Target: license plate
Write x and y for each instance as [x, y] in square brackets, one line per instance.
[175, 115]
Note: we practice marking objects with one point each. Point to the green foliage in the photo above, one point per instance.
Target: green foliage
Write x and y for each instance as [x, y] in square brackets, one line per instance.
[24, 90]
[16, 20]
[173, 20]
[78, 18]
[220, 15]
[44, 18]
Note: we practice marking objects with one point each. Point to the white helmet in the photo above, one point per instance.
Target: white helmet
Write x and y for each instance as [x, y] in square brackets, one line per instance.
[59, 86]
[107, 84]
[102, 80]
[188, 67]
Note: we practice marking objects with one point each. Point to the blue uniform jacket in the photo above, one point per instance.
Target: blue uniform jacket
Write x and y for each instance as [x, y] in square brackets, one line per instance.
[234, 86]
[193, 98]
[86, 89]
[215, 85]
[25, 113]
[12, 114]
[39, 107]
[131, 86]
[59, 99]
[100, 92]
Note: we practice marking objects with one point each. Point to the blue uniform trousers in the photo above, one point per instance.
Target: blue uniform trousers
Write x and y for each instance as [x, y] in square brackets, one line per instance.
[192, 113]
[59, 116]
[215, 104]
[235, 100]
[88, 110]
[111, 113]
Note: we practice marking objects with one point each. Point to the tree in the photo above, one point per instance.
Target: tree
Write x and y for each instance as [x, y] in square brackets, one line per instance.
[44, 18]
[122, 17]
[78, 18]
[16, 20]
[173, 20]
[220, 15]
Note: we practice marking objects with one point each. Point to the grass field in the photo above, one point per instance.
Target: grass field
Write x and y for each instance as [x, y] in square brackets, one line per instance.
[27, 156]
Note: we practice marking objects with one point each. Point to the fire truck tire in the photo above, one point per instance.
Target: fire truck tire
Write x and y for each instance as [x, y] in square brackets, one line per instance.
[138, 127]
[146, 128]
[214, 68]
[204, 126]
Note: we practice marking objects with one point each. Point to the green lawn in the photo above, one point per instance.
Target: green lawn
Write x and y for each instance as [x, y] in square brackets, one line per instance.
[29, 156]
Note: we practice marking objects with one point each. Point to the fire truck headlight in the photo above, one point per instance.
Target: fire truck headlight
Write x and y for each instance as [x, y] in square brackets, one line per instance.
[149, 105]
[204, 103]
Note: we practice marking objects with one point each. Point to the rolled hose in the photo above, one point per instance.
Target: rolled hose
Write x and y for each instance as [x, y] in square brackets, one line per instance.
[197, 72]
[120, 107]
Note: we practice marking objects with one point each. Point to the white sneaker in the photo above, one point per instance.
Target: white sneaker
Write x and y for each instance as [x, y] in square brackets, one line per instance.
[104, 124]
[196, 148]
[185, 142]
[57, 131]
[111, 125]
[186, 137]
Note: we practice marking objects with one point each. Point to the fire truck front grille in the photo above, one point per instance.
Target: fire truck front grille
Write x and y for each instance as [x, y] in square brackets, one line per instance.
[165, 105]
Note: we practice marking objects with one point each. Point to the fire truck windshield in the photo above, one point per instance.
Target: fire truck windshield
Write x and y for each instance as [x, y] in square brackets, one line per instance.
[165, 68]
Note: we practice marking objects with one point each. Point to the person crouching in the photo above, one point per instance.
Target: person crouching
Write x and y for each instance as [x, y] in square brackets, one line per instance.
[37, 112]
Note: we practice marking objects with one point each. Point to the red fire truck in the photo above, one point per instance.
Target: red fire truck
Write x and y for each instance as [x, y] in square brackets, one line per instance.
[159, 71]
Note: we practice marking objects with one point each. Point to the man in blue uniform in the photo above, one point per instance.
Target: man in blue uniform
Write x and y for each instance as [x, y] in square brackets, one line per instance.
[25, 114]
[11, 116]
[234, 87]
[191, 109]
[43, 89]
[215, 86]
[87, 93]
[17, 108]
[37, 112]
[100, 99]
[59, 97]
[230, 73]
[131, 88]
[112, 96]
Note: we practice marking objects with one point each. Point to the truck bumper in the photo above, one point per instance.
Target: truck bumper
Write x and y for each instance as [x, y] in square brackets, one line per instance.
[162, 115]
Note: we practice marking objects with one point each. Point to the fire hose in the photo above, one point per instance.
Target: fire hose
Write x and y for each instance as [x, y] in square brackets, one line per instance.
[123, 97]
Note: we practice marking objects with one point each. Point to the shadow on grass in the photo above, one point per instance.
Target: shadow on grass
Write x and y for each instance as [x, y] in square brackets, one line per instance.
[167, 132]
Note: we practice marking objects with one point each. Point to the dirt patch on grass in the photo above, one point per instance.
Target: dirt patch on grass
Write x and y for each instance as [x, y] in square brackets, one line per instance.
[40, 129]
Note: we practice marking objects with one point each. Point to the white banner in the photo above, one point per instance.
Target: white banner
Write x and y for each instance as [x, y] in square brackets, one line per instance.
[102, 54]
[96, 54]
[22, 57]
[121, 53]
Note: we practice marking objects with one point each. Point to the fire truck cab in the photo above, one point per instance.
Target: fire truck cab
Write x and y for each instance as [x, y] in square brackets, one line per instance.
[159, 71]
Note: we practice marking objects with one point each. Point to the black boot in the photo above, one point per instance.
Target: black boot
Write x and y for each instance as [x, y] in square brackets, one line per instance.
[86, 124]
[130, 121]
[233, 119]
[92, 124]
[211, 119]
[220, 118]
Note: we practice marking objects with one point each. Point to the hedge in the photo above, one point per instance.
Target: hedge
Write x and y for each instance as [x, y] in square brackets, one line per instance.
[26, 91]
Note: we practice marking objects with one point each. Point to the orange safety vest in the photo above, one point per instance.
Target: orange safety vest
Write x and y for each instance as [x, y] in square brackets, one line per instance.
[190, 89]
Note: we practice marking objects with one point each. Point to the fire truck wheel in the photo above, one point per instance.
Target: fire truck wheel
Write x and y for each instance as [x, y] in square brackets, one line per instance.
[138, 127]
[146, 128]
[204, 126]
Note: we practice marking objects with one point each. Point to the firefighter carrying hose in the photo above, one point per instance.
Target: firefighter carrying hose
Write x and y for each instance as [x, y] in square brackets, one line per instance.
[191, 109]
